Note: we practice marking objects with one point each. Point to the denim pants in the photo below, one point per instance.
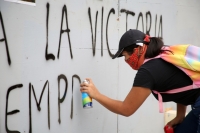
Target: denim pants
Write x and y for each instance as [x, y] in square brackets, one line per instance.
[191, 123]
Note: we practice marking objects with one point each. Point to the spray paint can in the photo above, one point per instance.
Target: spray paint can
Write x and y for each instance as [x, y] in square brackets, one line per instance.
[86, 99]
[168, 129]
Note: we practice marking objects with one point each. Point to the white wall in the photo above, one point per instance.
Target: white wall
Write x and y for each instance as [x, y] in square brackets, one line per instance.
[26, 33]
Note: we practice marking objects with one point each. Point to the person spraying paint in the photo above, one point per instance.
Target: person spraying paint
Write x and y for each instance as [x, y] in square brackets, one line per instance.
[154, 75]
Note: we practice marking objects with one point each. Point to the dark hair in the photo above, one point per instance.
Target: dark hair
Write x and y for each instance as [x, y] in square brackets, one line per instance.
[154, 47]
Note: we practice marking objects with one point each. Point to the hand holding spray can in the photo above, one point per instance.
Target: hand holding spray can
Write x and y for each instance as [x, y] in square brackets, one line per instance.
[86, 99]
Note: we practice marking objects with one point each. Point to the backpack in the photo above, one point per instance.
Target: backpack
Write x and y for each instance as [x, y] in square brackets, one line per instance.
[186, 58]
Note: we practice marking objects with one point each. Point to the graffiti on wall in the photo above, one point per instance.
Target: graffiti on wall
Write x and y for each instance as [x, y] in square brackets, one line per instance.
[4, 39]
[51, 56]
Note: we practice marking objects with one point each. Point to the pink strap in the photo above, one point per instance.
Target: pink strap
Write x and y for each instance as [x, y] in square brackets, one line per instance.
[193, 86]
[159, 101]
[151, 58]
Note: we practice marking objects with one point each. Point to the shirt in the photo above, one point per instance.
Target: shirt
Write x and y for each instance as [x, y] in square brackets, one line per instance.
[162, 76]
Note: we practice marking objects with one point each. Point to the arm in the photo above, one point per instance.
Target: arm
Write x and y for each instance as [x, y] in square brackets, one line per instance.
[180, 115]
[132, 102]
[181, 110]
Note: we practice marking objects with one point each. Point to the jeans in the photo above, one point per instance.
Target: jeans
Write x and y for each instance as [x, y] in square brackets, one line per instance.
[191, 123]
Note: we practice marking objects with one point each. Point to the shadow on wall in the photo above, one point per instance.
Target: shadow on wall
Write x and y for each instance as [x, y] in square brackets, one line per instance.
[33, 1]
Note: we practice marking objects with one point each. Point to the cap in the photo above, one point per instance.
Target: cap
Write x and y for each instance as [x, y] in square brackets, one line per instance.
[130, 37]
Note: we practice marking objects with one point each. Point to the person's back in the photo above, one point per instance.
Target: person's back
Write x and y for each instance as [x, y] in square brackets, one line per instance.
[162, 76]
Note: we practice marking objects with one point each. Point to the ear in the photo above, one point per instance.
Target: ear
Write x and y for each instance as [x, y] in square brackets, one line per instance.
[140, 48]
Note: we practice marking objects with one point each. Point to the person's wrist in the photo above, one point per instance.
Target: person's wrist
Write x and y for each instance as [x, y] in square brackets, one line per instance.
[97, 96]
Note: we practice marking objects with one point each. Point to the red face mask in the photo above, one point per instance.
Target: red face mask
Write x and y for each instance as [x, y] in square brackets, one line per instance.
[137, 59]
[133, 59]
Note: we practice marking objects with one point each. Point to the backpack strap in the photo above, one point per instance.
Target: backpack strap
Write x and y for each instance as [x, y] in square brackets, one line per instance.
[158, 56]
[186, 88]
